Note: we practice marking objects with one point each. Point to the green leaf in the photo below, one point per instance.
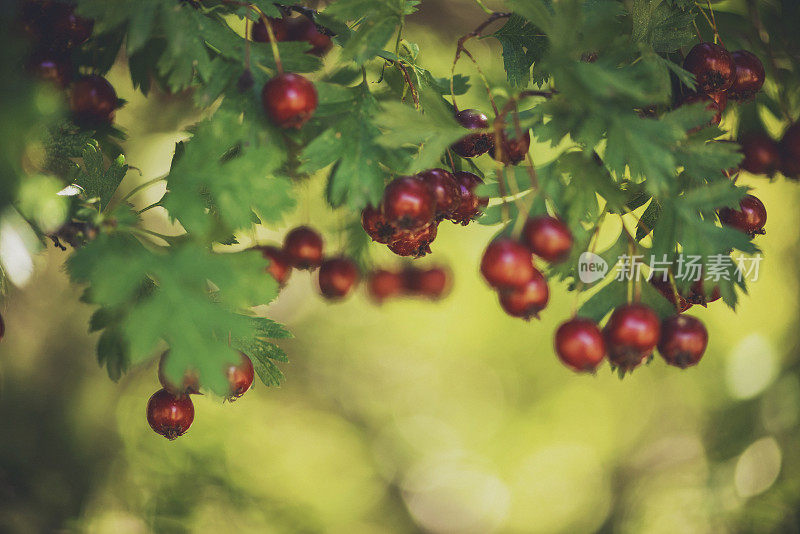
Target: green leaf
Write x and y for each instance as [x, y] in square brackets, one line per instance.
[606, 299]
[97, 180]
[523, 45]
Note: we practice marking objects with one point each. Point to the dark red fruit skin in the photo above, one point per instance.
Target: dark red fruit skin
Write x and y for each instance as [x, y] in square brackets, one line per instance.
[93, 101]
[68, 29]
[432, 283]
[169, 415]
[376, 226]
[790, 152]
[383, 284]
[750, 218]
[303, 29]
[280, 265]
[512, 151]
[631, 334]
[408, 203]
[507, 264]
[280, 27]
[699, 294]
[748, 76]
[683, 340]
[471, 204]
[289, 100]
[712, 65]
[189, 386]
[475, 144]
[548, 238]
[303, 248]
[337, 277]
[417, 243]
[240, 376]
[580, 345]
[2, 327]
[445, 191]
[716, 102]
[51, 67]
[528, 300]
[761, 154]
[665, 288]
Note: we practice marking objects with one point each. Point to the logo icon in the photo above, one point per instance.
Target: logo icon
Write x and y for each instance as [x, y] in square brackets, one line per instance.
[591, 268]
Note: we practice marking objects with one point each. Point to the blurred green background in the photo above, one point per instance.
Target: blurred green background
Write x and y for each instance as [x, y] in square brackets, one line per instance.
[413, 416]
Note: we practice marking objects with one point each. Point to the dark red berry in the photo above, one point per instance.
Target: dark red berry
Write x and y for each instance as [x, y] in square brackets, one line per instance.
[445, 191]
[408, 203]
[280, 266]
[169, 415]
[432, 283]
[2, 327]
[474, 144]
[511, 150]
[712, 65]
[337, 277]
[548, 238]
[701, 294]
[376, 226]
[303, 29]
[471, 204]
[750, 218]
[383, 284]
[683, 340]
[631, 335]
[761, 155]
[303, 247]
[790, 152]
[190, 385]
[527, 300]
[716, 102]
[240, 376]
[280, 27]
[68, 29]
[665, 288]
[748, 76]
[579, 344]
[415, 244]
[290, 100]
[51, 67]
[507, 264]
[93, 101]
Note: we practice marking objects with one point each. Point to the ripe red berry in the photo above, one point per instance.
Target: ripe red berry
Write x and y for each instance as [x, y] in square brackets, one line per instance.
[445, 191]
[383, 284]
[631, 335]
[527, 300]
[665, 288]
[548, 238]
[415, 244]
[240, 376]
[507, 264]
[512, 150]
[190, 385]
[303, 29]
[280, 28]
[750, 218]
[290, 100]
[748, 76]
[376, 226]
[579, 344]
[716, 102]
[683, 340]
[51, 67]
[337, 277]
[790, 152]
[408, 203]
[93, 101]
[169, 415]
[761, 155]
[712, 65]
[700, 293]
[474, 144]
[66, 28]
[280, 266]
[303, 247]
[432, 283]
[471, 204]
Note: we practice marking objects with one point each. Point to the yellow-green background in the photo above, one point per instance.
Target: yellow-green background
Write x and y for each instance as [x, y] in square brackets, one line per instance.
[414, 416]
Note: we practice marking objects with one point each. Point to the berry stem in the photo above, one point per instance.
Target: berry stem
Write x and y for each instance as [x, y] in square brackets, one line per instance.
[142, 186]
[592, 247]
[273, 43]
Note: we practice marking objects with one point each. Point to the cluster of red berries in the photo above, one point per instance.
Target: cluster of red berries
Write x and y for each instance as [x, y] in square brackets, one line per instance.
[170, 410]
[697, 294]
[432, 283]
[293, 29]
[413, 206]
[763, 155]
[722, 75]
[511, 150]
[303, 249]
[507, 265]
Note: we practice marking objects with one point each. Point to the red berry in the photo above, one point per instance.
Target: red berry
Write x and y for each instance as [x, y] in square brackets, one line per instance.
[665, 288]
[280, 28]
[240, 376]
[548, 238]
[631, 335]
[303, 29]
[683, 340]
[93, 101]
[716, 102]
[415, 244]
[445, 190]
[527, 300]
[511, 150]
[750, 218]
[790, 152]
[699, 294]
[169, 415]
[190, 384]
[580, 345]
[289, 100]
[432, 283]
[303, 247]
[280, 266]
[337, 276]
[2, 327]
[408, 203]
[474, 144]
[51, 67]
[761, 155]
[712, 65]
[470, 205]
[748, 75]
[68, 29]
[383, 284]
[506, 264]
[376, 227]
